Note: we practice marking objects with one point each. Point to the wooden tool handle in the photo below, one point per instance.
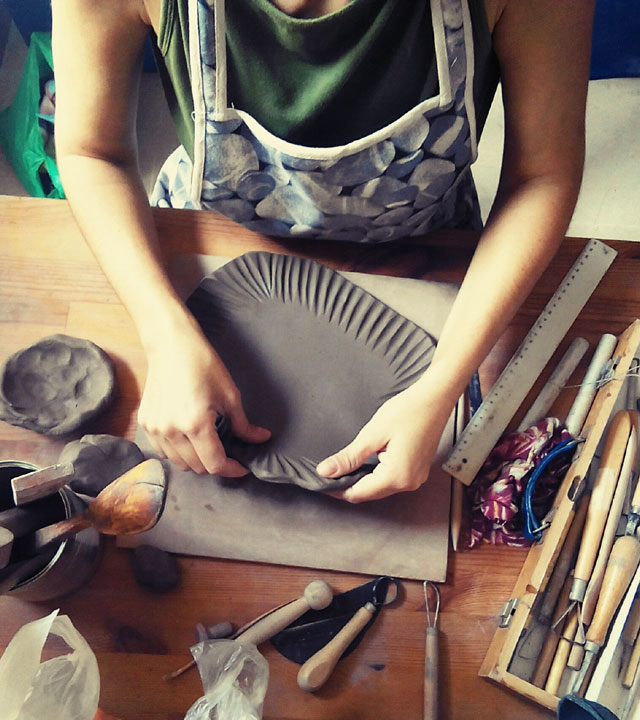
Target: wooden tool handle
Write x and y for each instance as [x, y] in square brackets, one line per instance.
[622, 564]
[612, 455]
[315, 672]
[546, 655]
[632, 667]
[610, 529]
[6, 544]
[47, 536]
[562, 654]
[317, 595]
[430, 701]
[557, 582]
[40, 483]
[632, 623]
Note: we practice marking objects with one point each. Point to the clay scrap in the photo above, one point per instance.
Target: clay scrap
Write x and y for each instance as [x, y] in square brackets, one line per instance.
[56, 384]
[98, 460]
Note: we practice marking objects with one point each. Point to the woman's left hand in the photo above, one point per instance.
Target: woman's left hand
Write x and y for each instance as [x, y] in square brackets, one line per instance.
[404, 432]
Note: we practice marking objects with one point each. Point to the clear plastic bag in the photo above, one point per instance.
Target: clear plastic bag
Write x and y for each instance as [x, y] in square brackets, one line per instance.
[66, 687]
[234, 678]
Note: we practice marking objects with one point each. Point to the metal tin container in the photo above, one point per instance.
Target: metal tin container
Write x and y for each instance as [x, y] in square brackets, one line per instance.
[69, 566]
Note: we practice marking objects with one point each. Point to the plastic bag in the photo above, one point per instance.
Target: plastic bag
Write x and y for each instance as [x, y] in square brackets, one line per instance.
[20, 134]
[234, 678]
[66, 687]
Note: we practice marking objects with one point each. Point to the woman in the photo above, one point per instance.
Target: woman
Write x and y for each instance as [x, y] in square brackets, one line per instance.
[542, 49]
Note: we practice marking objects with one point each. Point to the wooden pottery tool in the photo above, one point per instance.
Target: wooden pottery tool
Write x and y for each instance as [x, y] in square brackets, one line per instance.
[550, 645]
[621, 566]
[555, 384]
[431, 654]
[6, 544]
[604, 486]
[316, 596]
[634, 514]
[317, 669]
[562, 652]
[609, 534]
[130, 504]
[590, 383]
[630, 645]
[40, 483]
[487, 425]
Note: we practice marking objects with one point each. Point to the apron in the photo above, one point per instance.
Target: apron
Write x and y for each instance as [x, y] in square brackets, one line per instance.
[407, 179]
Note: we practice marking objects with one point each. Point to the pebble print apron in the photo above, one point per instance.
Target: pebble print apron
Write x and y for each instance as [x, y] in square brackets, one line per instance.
[406, 179]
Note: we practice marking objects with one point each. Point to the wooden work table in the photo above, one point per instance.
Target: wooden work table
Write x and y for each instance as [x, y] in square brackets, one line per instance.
[50, 282]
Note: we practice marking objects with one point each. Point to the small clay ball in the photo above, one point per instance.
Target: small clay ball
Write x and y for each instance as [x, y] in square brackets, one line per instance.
[155, 569]
[98, 460]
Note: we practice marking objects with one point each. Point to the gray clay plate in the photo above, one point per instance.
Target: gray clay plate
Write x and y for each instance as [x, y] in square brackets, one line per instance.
[312, 354]
[56, 384]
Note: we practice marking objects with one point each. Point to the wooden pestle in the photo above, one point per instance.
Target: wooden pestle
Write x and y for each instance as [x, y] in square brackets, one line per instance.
[317, 596]
[317, 669]
[601, 496]
[621, 567]
[610, 529]
[548, 651]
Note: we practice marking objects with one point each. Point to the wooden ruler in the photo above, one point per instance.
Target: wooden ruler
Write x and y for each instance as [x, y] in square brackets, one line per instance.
[500, 405]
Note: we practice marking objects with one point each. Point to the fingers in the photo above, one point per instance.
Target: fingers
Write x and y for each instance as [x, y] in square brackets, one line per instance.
[351, 457]
[243, 429]
[381, 483]
[211, 453]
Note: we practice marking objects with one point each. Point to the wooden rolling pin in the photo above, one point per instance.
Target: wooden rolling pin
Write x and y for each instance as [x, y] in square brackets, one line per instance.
[317, 669]
[621, 567]
[610, 529]
[601, 496]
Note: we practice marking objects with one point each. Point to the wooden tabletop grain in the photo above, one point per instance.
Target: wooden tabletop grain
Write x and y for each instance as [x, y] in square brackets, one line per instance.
[49, 282]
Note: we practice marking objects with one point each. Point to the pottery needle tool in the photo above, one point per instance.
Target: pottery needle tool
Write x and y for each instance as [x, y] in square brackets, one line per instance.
[6, 544]
[40, 483]
[501, 403]
[431, 652]
[608, 536]
[317, 595]
[555, 384]
[590, 384]
[621, 567]
[317, 669]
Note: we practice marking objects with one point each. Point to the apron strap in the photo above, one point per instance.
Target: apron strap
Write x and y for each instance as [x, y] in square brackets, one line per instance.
[220, 109]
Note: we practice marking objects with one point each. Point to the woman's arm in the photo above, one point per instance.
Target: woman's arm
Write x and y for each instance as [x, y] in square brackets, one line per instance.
[544, 49]
[97, 50]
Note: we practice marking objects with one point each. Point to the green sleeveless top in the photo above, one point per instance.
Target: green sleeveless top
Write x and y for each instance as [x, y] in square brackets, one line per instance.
[324, 81]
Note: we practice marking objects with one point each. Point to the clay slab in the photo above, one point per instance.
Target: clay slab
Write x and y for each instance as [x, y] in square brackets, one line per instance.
[313, 355]
[405, 535]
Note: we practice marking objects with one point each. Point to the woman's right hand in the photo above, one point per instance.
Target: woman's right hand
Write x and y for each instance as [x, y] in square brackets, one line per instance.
[187, 389]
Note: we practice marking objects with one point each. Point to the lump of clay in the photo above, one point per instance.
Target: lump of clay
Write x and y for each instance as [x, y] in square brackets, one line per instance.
[98, 460]
[55, 385]
[155, 569]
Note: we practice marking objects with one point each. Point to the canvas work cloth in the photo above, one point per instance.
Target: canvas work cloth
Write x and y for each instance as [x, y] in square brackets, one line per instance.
[408, 178]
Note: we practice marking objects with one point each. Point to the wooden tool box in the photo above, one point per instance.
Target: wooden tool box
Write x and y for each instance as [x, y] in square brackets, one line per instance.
[512, 654]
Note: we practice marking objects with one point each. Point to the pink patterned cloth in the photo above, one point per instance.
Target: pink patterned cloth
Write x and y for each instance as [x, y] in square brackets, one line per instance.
[496, 492]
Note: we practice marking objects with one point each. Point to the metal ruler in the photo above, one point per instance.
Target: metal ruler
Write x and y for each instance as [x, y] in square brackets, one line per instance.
[505, 397]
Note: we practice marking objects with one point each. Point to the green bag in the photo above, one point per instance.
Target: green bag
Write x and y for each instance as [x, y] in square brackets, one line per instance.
[20, 135]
